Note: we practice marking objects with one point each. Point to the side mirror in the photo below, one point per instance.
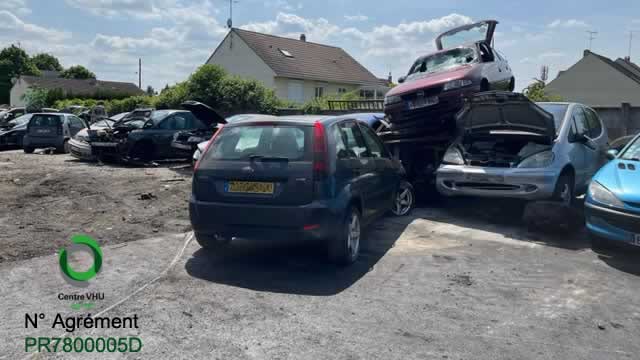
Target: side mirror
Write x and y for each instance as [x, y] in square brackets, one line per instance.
[401, 79]
[612, 154]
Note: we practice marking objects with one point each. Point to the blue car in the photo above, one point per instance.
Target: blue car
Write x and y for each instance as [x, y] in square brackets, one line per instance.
[613, 199]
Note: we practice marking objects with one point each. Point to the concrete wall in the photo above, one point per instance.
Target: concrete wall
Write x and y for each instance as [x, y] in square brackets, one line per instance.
[235, 56]
[309, 86]
[17, 91]
[595, 83]
[620, 121]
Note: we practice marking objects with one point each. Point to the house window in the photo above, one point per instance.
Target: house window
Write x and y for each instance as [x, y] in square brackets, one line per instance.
[342, 91]
[319, 91]
[367, 94]
[285, 53]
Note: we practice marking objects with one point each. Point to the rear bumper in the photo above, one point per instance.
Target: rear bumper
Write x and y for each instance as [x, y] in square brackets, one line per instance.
[80, 150]
[35, 142]
[525, 184]
[312, 221]
[612, 224]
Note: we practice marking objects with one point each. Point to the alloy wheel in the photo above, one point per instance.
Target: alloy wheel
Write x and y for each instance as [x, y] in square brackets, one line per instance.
[403, 202]
[353, 236]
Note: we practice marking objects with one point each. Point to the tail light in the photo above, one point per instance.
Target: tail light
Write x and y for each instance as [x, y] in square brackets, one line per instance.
[195, 168]
[320, 156]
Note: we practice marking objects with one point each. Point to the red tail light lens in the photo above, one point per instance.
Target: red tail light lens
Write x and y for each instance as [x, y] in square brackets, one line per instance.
[207, 148]
[320, 156]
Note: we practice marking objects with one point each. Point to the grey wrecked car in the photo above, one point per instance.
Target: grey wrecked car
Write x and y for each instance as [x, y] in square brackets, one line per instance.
[511, 147]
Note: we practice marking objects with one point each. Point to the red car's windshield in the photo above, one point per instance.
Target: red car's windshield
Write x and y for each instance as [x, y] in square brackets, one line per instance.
[443, 61]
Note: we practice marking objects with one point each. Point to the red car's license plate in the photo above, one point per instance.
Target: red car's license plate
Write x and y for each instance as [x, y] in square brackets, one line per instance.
[422, 102]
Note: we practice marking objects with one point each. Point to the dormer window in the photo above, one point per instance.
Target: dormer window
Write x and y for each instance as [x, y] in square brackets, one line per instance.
[286, 53]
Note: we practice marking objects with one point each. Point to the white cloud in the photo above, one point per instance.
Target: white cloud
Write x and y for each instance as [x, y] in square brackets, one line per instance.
[17, 6]
[143, 9]
[13, 27]
[570, 23]
[358, 17]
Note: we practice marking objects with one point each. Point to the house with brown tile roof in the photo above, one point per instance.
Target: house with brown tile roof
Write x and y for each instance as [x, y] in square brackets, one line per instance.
[297, 69]
[598, 81]
[71, 87]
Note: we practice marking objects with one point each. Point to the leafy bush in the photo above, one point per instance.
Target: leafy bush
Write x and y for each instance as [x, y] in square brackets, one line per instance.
[536, 92]
[35, 99]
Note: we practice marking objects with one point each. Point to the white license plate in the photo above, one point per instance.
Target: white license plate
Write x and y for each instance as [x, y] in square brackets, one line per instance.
[104, 144]
[636, 239]
[422, 102]
[483, 178]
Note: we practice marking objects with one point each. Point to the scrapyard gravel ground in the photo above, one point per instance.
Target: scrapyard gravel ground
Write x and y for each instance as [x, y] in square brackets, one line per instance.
[464, 279]
[47, 198]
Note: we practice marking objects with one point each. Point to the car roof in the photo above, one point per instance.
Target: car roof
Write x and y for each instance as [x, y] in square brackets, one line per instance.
[301, 119]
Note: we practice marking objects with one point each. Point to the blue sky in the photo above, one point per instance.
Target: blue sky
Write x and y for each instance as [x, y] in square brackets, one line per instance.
[174, 37]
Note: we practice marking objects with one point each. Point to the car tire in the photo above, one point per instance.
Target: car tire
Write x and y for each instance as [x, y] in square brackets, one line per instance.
[599, 243]
[212, 242]
[405, 199]
[64, 149]
[565, 190]
[28, 150]
[344, 248]
[143, 151]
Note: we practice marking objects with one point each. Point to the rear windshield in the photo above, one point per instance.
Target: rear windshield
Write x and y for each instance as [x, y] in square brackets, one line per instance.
[45, 120]
[262, 141]
[557, 110]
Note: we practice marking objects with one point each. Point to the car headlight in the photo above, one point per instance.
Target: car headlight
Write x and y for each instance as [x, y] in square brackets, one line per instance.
[393, 99]
[195, 139]
[454, 84]
[601, 194]
[539, 160]
[453, 156]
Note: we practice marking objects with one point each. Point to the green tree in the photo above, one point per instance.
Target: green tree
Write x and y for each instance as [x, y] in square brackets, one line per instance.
[536, 92]
[46, 62]
[78, 72]
[150, 91]
[35, 99]
[13, 62]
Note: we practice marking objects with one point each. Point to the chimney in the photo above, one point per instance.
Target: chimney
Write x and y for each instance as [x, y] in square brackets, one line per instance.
[390, 78]
[586, 52]
[303, 37]
[627, 59]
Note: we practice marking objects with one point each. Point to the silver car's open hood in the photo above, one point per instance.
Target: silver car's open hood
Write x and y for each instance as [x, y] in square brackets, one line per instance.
[505, 113]
[466, 34]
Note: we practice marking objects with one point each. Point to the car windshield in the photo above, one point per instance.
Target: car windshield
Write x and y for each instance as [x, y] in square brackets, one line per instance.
[257, 141]
[632, 151]
[557, 110]
[159, 115]
[443, 60]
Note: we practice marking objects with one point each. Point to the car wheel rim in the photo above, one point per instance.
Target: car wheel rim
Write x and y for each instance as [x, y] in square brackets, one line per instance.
[404, 202]
[353, 236]
[565, 195]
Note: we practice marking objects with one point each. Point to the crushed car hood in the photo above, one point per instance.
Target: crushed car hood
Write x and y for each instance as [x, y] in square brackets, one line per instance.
[480, 31]
[504, 113]
[430, 79]
[204, 113]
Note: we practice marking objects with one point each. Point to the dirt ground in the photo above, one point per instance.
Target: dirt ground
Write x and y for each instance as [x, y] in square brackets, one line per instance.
[48, 198]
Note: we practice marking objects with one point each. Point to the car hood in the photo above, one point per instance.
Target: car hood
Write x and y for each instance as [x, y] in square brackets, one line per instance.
[204, 113]
[620, 179]
[430, 79]
[504, 113]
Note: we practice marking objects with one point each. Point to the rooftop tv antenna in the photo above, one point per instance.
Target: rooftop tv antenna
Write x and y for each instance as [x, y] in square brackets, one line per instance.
[230, 20]
[592, 35]
[631, 32]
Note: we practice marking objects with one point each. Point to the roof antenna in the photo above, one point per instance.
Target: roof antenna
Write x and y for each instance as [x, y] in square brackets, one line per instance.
[230, 20]
[592, 35]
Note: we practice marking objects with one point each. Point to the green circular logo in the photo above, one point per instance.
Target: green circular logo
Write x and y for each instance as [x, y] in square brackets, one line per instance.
[97, 259]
